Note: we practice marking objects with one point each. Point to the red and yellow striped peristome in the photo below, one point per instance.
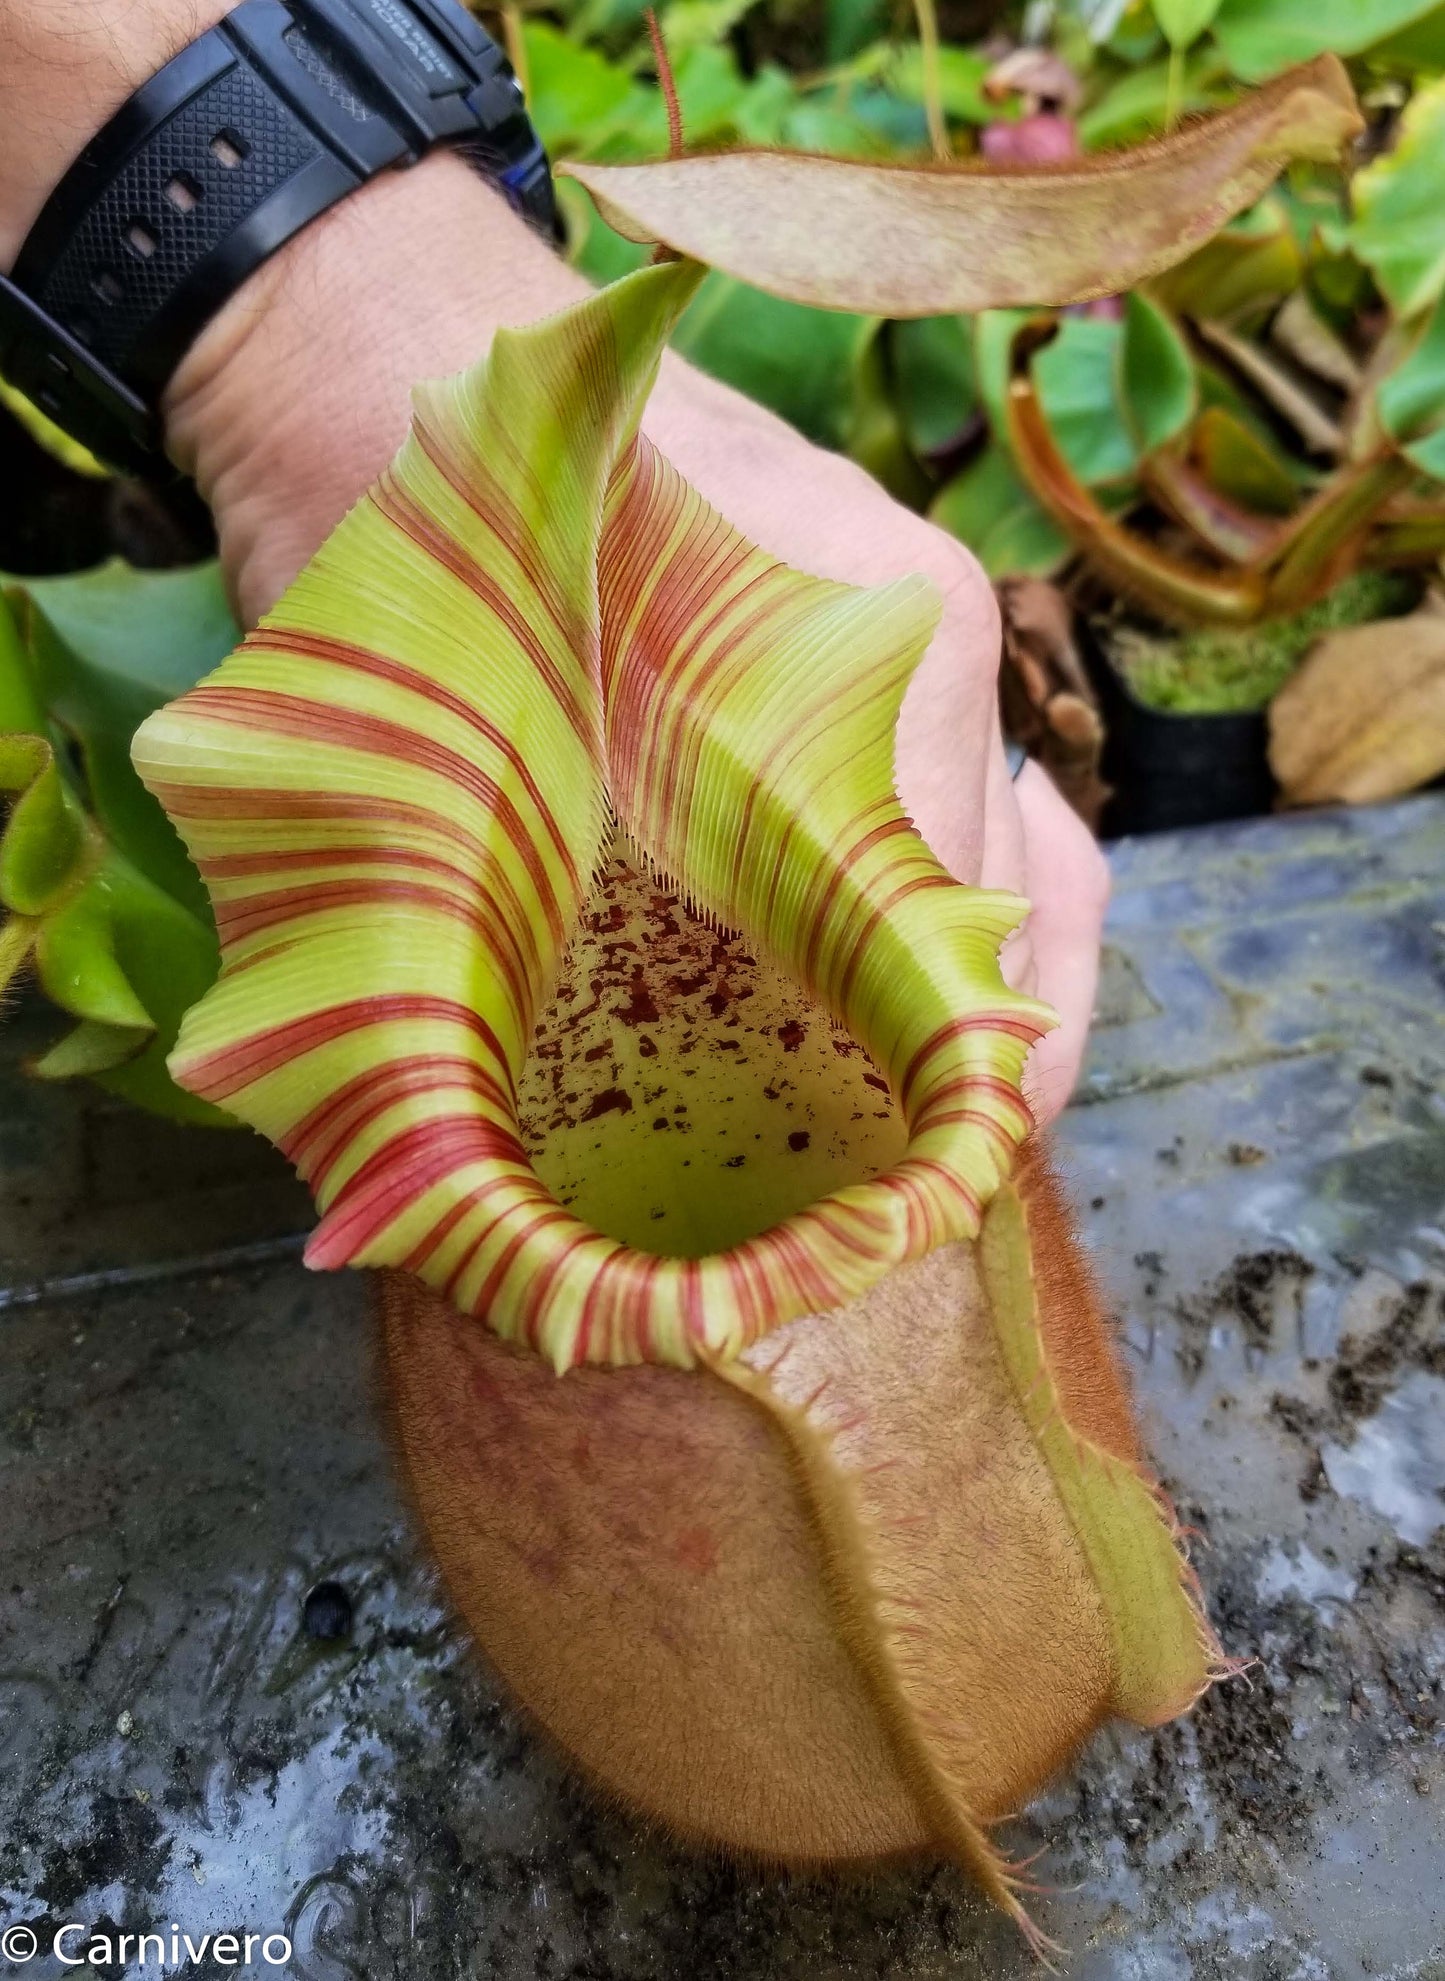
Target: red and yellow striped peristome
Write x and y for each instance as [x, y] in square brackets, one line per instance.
[401, 791]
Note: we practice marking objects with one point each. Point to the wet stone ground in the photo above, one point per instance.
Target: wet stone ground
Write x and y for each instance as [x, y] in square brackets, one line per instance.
[188, 1447]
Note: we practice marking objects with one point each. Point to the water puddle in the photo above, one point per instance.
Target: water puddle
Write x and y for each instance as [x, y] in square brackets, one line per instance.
[1397, 1461]
[1301, 1573]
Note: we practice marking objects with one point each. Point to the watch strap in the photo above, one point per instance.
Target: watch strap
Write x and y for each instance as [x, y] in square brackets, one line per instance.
[246, 136]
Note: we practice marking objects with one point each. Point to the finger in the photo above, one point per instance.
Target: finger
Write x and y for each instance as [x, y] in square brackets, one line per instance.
[1066, 878]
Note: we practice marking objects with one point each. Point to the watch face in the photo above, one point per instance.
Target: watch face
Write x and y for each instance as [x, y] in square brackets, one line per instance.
[418, 50]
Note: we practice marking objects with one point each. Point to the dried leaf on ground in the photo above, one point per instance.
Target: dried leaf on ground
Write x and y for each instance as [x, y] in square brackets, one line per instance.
[908, 240]
[1364, 718]
[1046, 698]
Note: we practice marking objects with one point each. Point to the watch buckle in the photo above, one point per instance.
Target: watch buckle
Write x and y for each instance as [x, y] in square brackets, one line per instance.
[70, 385]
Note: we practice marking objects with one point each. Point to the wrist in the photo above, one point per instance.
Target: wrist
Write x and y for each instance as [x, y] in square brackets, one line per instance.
[68, 66]
[297, 393]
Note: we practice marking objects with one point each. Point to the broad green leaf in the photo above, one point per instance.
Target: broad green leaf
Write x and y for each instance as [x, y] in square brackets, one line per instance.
[1261, 37]
[990, 509]
[1157, 386]
[44, 845]
[1399, 225]
[766, 105]
[1138, 105]
[398, 790]
[908, 241]
[170, 960]
[692, 24]
[850, 25]
[1415, 50]
[835, 122]
[105, 648]
[76, 959]
[157, 630]
[1183, 21]
[803, 363]
[933, 373]
[575, 96]
[1078, 380]
[1411, 400]
[961, 75]
[109, 945]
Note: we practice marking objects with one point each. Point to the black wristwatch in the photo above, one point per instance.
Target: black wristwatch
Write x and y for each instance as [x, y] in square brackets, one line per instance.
[230, 149]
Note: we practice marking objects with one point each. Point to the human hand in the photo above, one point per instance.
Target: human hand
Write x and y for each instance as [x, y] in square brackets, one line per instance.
[296, 395]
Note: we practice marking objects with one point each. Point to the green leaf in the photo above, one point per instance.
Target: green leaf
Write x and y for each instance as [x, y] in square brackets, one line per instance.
[1183, 21]
[1399, 225]
[76, 960]
[933, 378]
[123, 935]
[961, 76]
[575, 96]
[170, 959]
[692, 24]
[988, 507]
[44, 845]
[1077, 378]
[1139, 103]
[91, 1048]
[158, 630]
[850, 25]
[1261, 37]
[1415, 50]
[1078, 382]
[801, 362]
[1157, 386]
[20, 706]
[1411, 401]
[876, 438]
[104, 649]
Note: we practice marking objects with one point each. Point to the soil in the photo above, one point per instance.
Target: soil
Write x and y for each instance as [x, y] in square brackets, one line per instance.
[1366, 1368]
[1250, 1294]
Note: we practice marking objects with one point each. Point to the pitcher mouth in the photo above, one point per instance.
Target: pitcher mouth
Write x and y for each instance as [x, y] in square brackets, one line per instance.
[401, 792]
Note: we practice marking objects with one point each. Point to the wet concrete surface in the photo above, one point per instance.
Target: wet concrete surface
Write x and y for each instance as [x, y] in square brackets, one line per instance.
[188, 1446]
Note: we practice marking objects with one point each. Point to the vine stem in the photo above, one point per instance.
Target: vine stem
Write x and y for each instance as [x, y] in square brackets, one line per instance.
[926, 12]
[667, 83]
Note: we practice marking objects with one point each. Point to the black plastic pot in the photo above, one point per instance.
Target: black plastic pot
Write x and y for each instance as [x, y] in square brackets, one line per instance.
[1172, 770]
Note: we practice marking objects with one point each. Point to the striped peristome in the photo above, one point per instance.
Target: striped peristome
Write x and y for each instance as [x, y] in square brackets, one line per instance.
[399, 790]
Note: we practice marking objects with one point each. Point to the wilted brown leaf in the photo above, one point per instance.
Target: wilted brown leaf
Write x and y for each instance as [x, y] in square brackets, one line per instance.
[1045, 696]
[916, 240]
[1364, 718]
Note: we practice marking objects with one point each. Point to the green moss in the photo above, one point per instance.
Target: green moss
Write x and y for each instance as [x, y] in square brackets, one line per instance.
[1207, 672]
